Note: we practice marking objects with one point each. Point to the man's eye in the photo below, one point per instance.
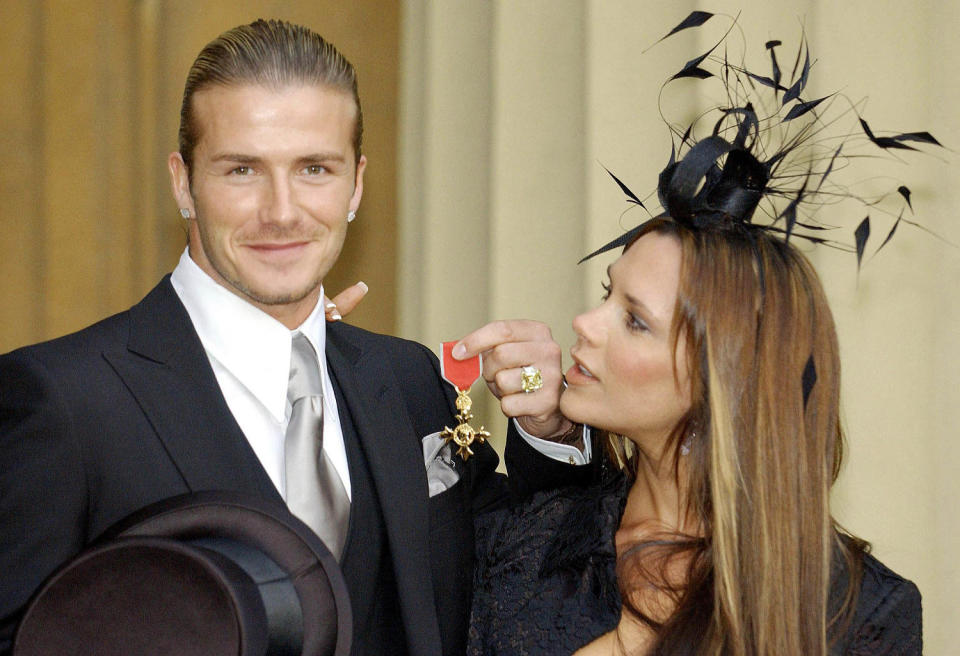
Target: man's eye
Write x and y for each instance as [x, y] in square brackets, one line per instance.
[242, 170]
[314, 169]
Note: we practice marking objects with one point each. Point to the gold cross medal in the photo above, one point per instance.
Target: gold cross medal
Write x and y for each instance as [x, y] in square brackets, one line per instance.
[461, 374]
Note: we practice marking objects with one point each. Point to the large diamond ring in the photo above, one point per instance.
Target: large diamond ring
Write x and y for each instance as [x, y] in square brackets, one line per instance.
[530, 379]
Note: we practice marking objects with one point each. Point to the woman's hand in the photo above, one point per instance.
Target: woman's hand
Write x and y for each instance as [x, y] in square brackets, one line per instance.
[344, 302]
[507, 347]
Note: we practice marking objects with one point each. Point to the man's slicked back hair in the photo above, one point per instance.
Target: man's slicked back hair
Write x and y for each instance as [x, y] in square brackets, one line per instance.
[270, 53]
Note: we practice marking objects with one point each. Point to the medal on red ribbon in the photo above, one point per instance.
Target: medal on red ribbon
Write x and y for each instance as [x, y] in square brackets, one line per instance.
[461, 374]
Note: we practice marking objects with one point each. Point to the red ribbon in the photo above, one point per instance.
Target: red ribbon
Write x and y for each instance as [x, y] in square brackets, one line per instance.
[459, 373]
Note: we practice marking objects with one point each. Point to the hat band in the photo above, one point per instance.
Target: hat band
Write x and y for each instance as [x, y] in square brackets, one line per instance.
[284, 615]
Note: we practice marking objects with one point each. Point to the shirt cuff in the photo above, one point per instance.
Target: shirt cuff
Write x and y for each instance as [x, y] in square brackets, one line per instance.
[557, 451]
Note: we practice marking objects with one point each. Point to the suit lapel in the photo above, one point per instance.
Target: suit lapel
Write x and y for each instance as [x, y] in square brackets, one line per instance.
[168, 372]
[380, 417]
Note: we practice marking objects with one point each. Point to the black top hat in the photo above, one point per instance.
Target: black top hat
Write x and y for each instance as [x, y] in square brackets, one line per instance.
[211, 573]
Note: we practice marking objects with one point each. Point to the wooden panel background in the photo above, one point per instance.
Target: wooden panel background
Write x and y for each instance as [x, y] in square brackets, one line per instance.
[89, 100]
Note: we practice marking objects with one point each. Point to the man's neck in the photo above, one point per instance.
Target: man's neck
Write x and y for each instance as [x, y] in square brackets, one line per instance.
[291, 315]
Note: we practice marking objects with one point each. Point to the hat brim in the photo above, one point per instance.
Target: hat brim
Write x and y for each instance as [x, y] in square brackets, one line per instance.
[197, 550]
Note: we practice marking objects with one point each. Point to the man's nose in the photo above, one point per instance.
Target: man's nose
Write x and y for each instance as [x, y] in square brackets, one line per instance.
[281, 207]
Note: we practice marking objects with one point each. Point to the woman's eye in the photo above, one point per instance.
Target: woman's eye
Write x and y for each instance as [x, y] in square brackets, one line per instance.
[606, 291]
[635, 324]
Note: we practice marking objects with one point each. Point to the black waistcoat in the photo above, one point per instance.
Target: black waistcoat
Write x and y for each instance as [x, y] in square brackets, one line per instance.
[366, 564]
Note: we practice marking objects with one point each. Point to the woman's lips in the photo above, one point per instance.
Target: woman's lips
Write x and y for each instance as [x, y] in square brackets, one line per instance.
[579, 375]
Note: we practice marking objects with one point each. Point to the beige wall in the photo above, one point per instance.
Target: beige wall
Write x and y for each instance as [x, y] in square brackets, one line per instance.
[509, 109]
[89, 103]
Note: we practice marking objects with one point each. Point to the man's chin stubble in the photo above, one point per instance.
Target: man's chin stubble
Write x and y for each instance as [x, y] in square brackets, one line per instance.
[273, 300]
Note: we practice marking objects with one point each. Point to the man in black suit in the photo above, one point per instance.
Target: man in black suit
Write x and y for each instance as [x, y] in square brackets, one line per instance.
[186, 391]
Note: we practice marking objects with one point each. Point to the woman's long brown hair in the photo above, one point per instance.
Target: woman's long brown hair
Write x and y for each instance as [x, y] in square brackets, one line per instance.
[765, 446]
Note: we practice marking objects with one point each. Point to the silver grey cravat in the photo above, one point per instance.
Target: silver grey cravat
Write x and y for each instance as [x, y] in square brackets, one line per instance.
[315, 492]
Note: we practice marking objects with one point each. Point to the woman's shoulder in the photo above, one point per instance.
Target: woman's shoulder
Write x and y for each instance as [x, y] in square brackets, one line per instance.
[887, 618]
[878, 579]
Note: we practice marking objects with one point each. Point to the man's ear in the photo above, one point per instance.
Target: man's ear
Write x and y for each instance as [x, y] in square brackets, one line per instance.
[180, 183]
[358, 184]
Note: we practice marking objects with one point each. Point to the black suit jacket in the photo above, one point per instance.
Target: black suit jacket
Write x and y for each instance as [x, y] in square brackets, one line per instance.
[100, 423]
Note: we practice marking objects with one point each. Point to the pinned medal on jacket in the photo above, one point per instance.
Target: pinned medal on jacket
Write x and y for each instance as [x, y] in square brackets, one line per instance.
[210, 573]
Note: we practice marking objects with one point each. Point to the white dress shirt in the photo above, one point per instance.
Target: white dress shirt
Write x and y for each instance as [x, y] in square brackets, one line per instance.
[562, 452]
[250, 354]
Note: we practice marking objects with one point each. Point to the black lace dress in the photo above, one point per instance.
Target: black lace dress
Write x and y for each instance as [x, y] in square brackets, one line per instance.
[545, 580]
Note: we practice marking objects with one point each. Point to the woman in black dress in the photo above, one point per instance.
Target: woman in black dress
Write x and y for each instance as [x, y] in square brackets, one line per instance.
[715, 537]
[710, 376]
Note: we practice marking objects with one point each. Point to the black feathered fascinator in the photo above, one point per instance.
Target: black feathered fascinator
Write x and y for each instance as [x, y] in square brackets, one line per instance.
[769, 147]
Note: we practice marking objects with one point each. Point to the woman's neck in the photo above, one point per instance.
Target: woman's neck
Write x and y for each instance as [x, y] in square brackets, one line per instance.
[658, 500]
[656, 516]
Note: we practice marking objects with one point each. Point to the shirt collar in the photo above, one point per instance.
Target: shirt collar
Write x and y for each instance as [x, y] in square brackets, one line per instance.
[249, 343]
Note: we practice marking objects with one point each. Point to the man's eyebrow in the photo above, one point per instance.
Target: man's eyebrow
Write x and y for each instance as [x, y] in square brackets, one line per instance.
[241, 158]
[235, 157]
[322, 157]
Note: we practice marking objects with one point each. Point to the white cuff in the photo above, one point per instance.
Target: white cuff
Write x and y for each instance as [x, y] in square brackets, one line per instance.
[562, 452]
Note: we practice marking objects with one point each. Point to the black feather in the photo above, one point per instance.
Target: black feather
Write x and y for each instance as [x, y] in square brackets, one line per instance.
[809, 378]
[829, 166]
[802, 108]
[905, 192]
[924, 137]
[892, 230]
[632, 196]
[765, 81]
[861, 234]
[777, 75]
[794, 92]
[884, 142]
[695, 19]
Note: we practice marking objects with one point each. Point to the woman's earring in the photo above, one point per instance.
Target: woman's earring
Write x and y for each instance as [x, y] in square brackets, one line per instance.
[687, 441]
[184, 212]
[351, 215]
